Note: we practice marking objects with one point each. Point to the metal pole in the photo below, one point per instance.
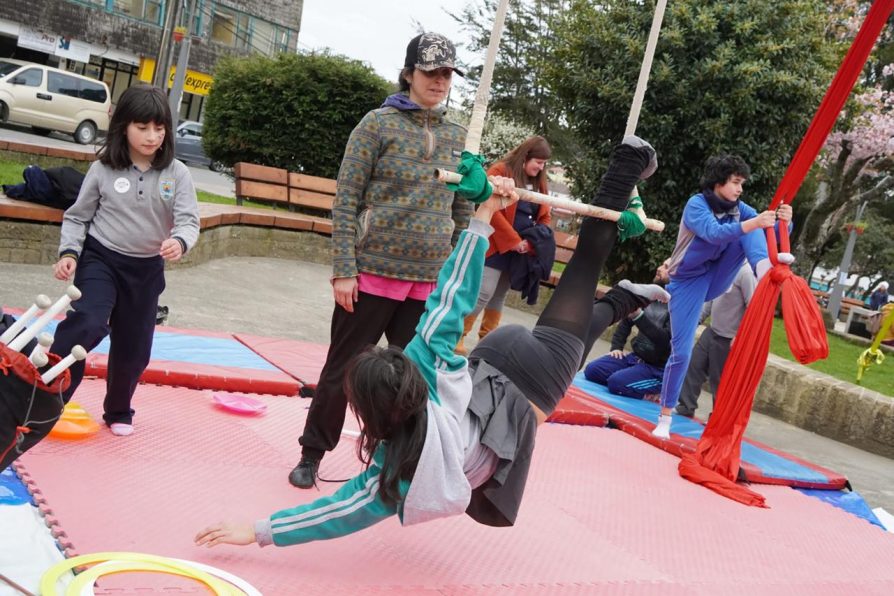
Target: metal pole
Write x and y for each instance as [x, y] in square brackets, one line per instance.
[160, 76]
[176, 94]
[838, 290]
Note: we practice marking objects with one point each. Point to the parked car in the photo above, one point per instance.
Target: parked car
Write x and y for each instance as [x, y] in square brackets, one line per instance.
[49, 99]
[188, 145]
[7, 65]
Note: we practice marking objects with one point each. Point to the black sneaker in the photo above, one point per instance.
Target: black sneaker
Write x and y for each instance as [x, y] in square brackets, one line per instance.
[305, 473]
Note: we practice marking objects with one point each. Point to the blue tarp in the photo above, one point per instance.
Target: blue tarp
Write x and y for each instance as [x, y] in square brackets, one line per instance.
[12, 490]
[850, 501]
[195, 349]
[770, 464]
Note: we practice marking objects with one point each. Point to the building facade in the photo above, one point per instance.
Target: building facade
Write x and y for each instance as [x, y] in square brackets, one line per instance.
[117, 41]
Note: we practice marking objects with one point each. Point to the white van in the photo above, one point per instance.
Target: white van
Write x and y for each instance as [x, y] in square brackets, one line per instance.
[51, 99]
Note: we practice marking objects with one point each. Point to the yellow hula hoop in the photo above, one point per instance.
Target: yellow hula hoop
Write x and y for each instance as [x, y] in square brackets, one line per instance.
[86, 578]
[52, 575]
[242, 587]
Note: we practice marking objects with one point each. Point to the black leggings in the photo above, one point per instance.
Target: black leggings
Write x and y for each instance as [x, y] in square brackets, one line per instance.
[571, 306]
[542, 362]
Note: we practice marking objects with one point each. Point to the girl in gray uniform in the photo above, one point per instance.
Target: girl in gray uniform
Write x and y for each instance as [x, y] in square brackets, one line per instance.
[137, 209]
[442, 435]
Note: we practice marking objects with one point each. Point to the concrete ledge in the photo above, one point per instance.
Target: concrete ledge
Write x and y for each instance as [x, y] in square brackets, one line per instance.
[827, 406]
[32, 243]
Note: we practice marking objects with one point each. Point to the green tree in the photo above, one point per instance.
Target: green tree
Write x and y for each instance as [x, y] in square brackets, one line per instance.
[518, 90]
[294, 111]
[499, 137]
[742, 76]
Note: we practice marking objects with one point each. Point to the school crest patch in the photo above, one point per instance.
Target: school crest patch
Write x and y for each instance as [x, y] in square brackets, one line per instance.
[166, 189]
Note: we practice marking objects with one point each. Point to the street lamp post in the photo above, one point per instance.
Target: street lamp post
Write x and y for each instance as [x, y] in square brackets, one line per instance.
[838, 290]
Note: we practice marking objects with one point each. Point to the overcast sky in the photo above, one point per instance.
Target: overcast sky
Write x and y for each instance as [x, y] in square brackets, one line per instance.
[376, 31]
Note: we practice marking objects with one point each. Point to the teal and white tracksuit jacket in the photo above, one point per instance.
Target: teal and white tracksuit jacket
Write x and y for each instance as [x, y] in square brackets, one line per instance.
[452, 461]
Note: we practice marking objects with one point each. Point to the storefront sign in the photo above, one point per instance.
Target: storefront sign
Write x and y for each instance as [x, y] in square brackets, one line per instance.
[37, 40]
[72, 49]
[195, 82]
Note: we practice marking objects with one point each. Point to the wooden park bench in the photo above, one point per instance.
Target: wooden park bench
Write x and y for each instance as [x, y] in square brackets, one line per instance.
[304, 195]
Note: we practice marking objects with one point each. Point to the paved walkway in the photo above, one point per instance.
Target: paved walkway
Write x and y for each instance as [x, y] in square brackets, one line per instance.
[292, 299]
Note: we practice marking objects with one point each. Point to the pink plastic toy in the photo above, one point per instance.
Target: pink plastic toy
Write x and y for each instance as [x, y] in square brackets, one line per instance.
[238, 402]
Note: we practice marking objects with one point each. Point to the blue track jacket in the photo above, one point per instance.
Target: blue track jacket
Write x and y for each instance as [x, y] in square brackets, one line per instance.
[705, 236]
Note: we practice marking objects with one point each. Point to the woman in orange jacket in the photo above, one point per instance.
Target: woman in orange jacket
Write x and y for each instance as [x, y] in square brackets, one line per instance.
[526, 164]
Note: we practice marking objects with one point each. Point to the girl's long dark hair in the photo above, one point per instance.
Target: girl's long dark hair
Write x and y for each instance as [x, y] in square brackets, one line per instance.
[389, 396]
[140, 103]
[535, 147]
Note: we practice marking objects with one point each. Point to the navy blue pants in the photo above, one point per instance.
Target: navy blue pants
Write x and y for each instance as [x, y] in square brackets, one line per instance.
[629, 376]
[119, 297]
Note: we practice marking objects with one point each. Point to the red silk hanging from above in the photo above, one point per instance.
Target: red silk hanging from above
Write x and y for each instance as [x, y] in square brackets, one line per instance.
[715, 463]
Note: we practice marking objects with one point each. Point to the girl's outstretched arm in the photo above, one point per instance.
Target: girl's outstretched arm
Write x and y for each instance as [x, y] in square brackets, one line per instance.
[356, 505]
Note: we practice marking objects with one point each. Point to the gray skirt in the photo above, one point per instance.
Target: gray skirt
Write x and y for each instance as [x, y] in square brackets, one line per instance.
[508, 427]
[511, 368]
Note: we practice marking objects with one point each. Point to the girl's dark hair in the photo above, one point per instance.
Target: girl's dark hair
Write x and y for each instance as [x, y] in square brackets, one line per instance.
[388, 395]
[534, 147]
[403, 85]
[720, 168]
[144, 104]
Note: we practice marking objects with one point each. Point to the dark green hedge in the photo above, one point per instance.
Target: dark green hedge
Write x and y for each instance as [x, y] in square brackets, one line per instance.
[293, 111]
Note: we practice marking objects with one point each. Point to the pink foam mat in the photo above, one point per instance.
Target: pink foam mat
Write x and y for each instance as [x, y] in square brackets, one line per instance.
[300, 359]
[603, 513]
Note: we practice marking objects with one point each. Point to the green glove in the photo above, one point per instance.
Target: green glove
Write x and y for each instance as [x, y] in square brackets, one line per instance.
[630, 225]
[474, 185]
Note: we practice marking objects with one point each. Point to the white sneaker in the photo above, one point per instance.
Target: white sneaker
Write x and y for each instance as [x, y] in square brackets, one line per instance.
[662, 429]
[121, 429]
[650, 292]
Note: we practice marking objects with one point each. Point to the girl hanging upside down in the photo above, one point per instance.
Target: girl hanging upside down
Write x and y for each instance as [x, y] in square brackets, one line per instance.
[442, 435]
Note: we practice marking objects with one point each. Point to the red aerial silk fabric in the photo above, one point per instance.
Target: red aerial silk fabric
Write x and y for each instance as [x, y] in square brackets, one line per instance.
[715, 463]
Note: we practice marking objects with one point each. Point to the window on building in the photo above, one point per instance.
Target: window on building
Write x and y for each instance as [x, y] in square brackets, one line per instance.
[262, 34]
[230, 27]
[117, 75]
[198, 18]
[145, 10]
[281, 39]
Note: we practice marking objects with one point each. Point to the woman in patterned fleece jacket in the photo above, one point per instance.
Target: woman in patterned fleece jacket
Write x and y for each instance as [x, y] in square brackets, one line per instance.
[442, 435]
[393, 226]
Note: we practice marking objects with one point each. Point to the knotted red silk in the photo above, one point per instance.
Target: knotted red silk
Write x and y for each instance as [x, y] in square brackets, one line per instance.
[715, 463]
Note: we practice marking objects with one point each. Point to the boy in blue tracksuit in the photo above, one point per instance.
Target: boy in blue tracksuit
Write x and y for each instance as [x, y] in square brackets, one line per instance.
[718, 232]
[443, 435]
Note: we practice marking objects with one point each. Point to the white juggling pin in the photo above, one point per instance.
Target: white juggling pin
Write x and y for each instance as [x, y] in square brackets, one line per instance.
[72, 293]
[39, 359]
[44, 341]
[77, 353]
[42, 302]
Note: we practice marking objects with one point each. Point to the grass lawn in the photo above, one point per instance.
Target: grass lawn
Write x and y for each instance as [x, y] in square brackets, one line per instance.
[842, 361]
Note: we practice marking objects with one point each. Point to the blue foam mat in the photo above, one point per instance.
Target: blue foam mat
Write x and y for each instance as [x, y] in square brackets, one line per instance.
[12, 490]
[195, 349]
[850, 501]
[770, 464]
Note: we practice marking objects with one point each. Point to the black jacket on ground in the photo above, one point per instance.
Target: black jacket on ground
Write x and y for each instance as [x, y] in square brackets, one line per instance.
[53, 187]
[652, 343]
